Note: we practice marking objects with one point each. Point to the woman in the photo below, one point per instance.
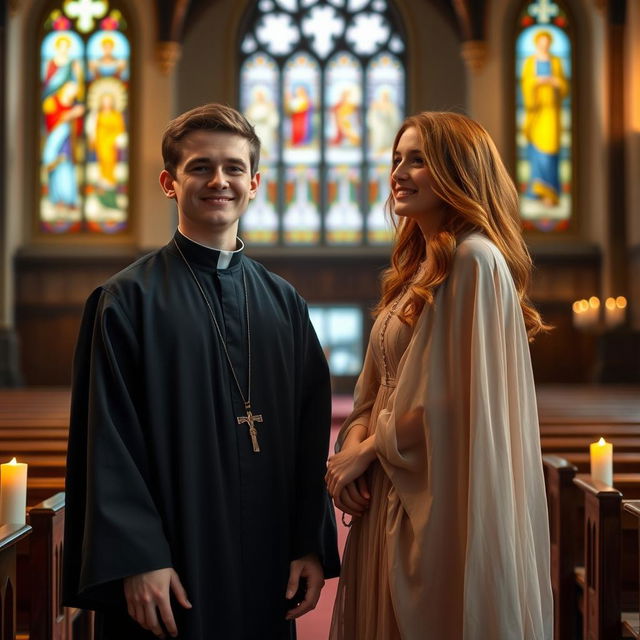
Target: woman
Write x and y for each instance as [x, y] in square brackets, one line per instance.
[439, 463]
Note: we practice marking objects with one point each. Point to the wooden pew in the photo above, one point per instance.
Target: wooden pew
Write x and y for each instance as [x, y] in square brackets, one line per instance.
[579, 443]
[623, 461]
[561, 500]
[567, 508]
[593, 430]
[42, 616]
[600, 581]
[631, 621]
[10, 536]
[588, 404]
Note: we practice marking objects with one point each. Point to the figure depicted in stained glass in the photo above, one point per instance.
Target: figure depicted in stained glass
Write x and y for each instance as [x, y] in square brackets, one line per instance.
[345, 114]
[63, 126]
[383, 120]
[263, 115]
[63, 65]
[300, 108]
[543, 88]
[107, 65]
[106, 131]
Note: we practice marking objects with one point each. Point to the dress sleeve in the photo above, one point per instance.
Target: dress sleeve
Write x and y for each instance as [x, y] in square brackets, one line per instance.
[364, 397]
[113, 528]
[314, 523]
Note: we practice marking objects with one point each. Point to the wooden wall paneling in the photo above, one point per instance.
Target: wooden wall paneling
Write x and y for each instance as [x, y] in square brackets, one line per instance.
[50, 296]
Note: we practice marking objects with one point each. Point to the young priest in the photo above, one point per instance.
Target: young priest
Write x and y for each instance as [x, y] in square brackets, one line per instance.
[196, 505]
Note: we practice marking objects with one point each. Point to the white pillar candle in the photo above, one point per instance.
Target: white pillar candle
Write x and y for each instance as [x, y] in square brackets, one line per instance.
[13, 492]
[602, 461]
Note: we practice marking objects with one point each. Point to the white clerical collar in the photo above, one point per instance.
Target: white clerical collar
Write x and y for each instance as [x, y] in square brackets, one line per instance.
[224, 257]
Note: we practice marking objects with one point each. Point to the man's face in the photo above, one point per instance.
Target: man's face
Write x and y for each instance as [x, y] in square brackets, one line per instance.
[212, 184]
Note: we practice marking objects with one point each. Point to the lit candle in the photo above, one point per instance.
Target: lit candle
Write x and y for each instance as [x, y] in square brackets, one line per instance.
[593, 312]
[602, 461]
[580, 314]
[13, 492]
[577, 314]
[614, 311]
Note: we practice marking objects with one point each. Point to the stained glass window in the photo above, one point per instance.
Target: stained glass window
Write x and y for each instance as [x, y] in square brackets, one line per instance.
[84, 109]
[339, 330]
[323, 82]
[543, 116]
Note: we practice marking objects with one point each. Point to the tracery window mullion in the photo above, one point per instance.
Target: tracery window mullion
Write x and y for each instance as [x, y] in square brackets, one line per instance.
[362, 29]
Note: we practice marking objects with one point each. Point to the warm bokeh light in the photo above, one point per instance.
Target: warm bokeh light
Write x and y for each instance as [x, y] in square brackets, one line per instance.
[621, 302]
[594, 302]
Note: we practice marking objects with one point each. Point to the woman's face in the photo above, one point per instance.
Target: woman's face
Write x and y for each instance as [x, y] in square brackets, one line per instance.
[411, 185]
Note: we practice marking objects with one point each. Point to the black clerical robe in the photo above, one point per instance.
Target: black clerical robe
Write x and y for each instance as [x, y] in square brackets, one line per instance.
[160, 473]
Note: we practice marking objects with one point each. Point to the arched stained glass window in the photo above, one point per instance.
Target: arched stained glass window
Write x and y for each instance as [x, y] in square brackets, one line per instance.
[323, 82]
[544, 116]
[84, 108]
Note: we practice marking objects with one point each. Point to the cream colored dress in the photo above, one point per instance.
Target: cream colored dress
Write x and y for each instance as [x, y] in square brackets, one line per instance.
[455, 544]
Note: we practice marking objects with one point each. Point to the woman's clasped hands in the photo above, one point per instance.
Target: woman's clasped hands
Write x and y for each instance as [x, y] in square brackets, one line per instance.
[346, 476]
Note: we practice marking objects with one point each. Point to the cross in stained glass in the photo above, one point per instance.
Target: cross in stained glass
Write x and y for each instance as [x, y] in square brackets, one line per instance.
[323, 25]
[85, 11]
[544, 10]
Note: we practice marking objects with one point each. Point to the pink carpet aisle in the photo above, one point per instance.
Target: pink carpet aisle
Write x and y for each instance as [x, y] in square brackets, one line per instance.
[315, 625]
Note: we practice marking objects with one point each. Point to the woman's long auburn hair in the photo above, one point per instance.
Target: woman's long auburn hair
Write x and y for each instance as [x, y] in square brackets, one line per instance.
[468, 176]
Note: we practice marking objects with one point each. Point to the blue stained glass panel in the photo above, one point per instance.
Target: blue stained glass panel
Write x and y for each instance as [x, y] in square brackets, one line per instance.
[543, 117]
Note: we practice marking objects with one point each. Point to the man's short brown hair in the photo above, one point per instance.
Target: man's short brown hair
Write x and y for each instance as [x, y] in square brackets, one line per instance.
[208, 117]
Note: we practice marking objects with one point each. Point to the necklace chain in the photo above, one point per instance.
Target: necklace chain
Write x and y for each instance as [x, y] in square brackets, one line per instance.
[383, 331]
[247, 400]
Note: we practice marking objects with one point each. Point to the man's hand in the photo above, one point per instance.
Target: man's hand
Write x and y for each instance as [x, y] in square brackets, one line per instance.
[307, 567]
[149, 593]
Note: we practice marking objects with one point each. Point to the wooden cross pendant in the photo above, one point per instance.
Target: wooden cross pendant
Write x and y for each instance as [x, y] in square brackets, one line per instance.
[250, 420]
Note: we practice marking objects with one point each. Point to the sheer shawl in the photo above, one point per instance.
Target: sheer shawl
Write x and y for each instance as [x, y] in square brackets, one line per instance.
[467, 528]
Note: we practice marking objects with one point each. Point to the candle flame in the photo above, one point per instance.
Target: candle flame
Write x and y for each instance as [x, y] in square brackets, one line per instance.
[601, 442]
[13, 461]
